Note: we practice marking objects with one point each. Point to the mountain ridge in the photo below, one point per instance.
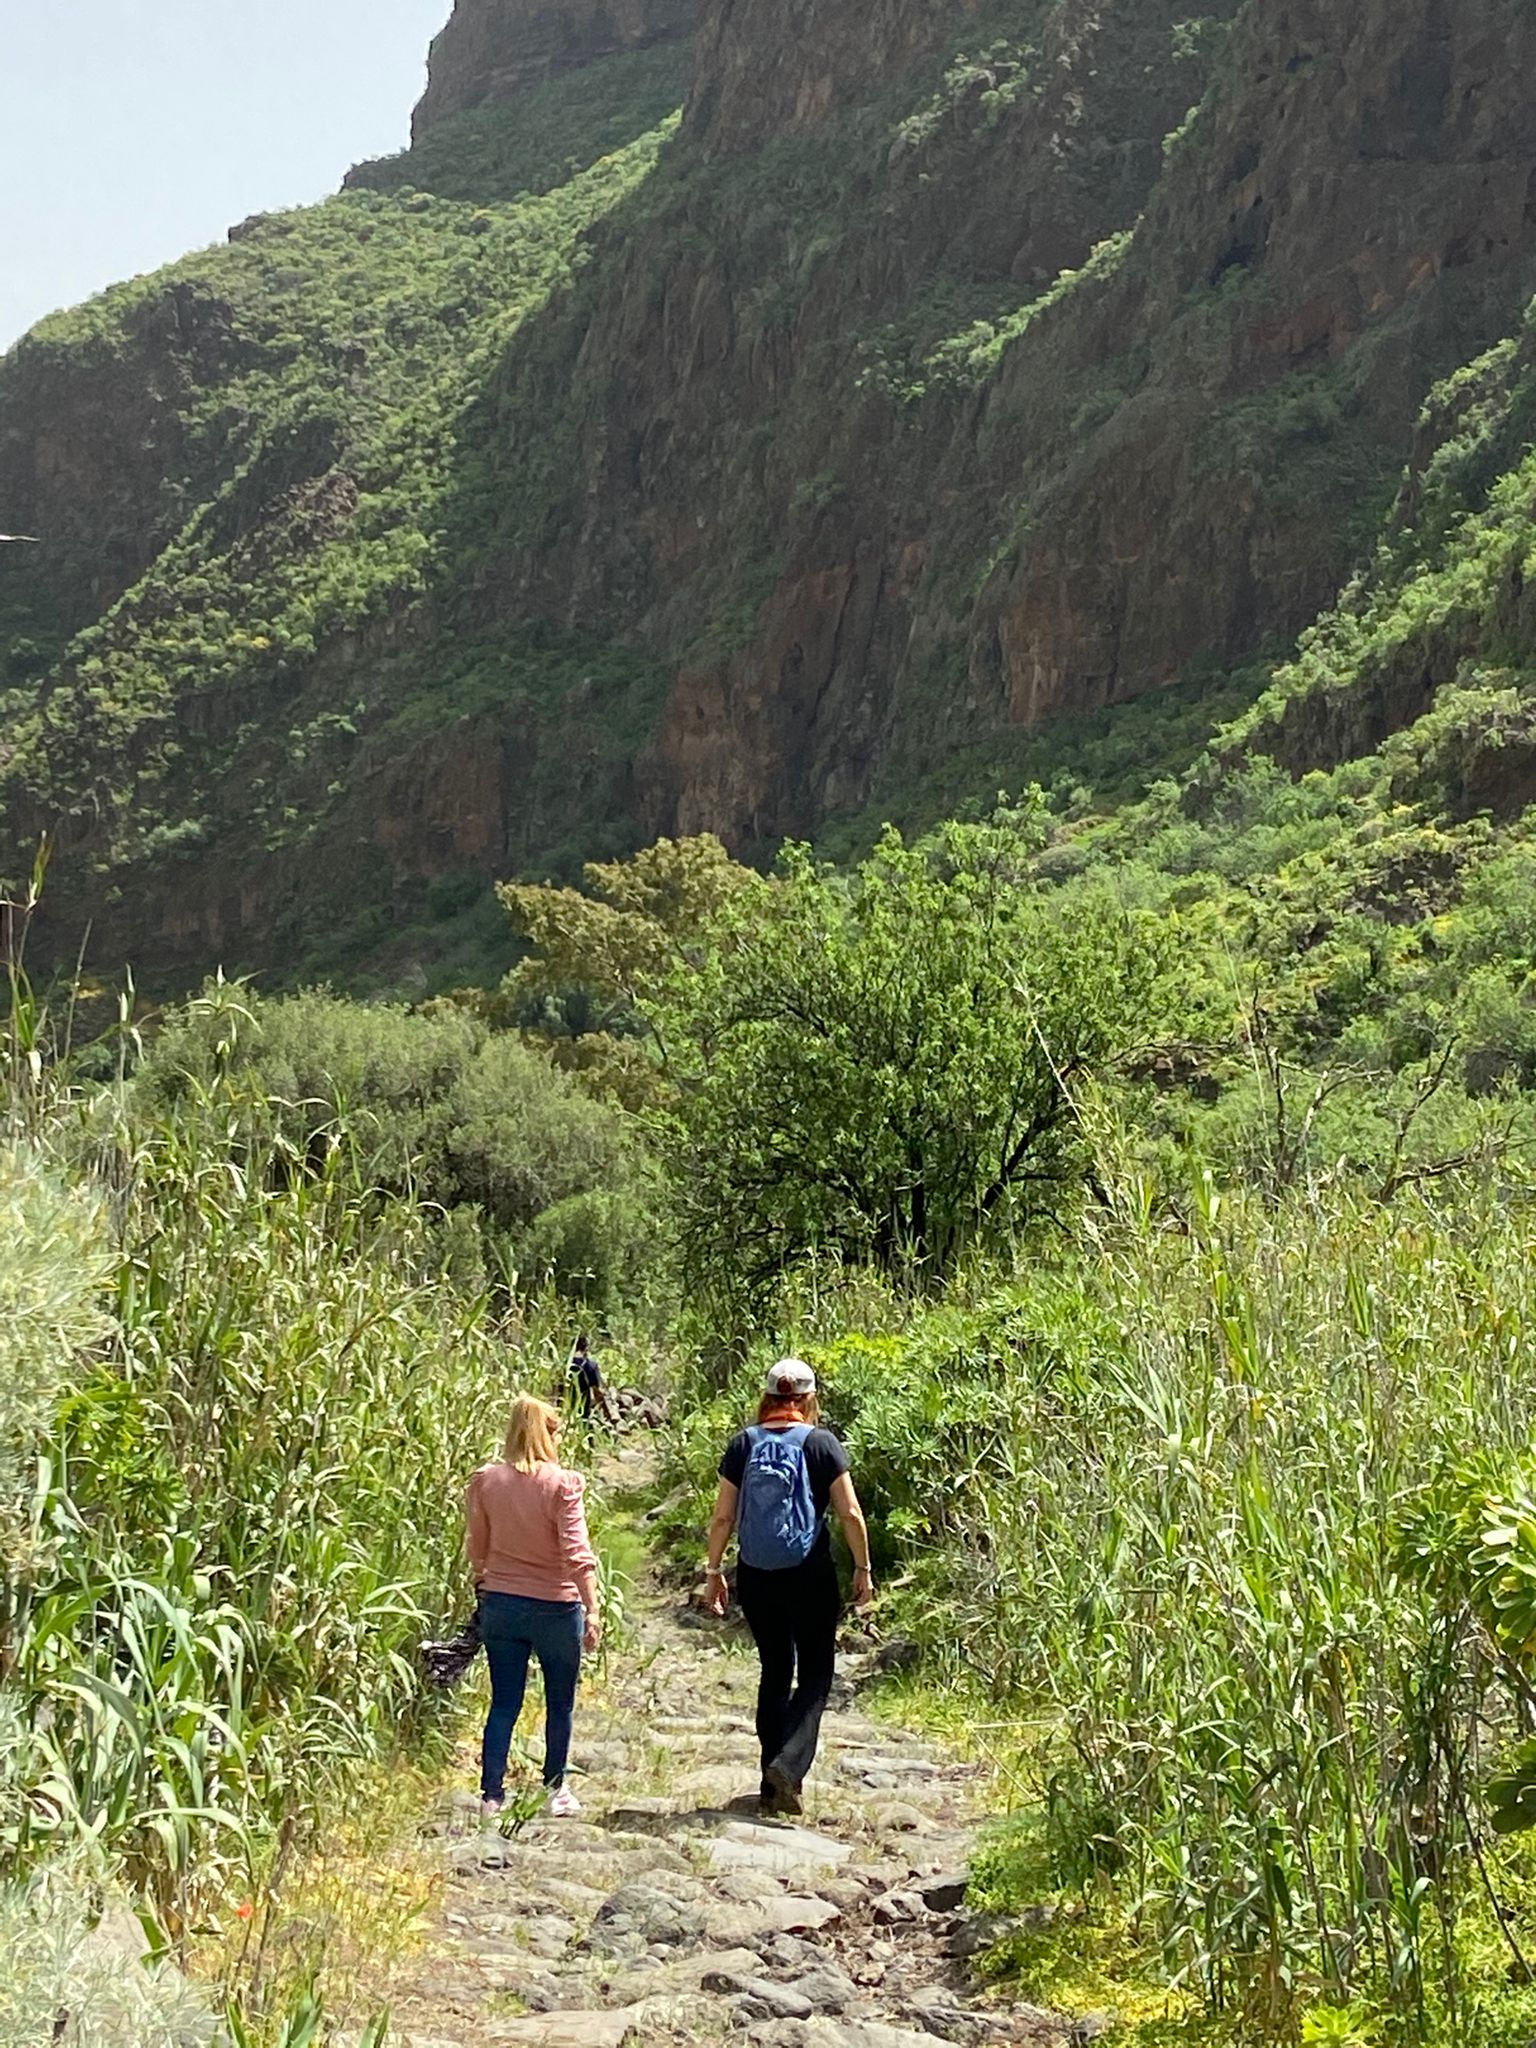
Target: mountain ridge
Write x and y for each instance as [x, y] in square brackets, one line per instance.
[495, 50]
[880, 416]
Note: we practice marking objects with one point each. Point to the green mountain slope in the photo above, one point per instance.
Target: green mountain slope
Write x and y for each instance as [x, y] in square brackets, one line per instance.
[300, 399]
[998, 405]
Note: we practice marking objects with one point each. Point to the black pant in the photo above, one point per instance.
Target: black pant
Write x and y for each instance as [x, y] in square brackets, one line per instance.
[793, 1617]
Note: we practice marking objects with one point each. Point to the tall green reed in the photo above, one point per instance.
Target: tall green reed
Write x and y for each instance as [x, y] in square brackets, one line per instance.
[235, 1507]
[1151, 1492]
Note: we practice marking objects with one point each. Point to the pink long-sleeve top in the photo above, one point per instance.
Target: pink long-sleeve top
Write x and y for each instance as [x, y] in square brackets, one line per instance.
[527, 1532]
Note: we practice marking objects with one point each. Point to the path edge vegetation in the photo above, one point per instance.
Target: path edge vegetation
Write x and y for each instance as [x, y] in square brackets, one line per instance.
[1210, 1459]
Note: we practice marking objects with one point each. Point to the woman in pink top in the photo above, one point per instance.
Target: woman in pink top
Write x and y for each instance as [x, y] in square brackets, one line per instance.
[536, 1573]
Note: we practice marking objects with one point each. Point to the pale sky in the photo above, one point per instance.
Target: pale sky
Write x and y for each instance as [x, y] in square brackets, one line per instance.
[134, 130]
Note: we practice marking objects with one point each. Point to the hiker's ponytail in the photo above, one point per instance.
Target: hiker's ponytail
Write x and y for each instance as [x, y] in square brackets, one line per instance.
[789, 1408]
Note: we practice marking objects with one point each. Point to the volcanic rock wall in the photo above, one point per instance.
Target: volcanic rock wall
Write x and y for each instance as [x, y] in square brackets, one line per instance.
[1176, 461]
[495, 49]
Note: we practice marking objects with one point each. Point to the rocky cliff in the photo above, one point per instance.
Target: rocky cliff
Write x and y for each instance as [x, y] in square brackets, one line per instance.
[956, 367]
[1113, 469]
[495, 49]
[1357, 211]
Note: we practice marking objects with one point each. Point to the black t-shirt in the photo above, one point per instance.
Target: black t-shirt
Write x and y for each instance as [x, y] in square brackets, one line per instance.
[825, 1460]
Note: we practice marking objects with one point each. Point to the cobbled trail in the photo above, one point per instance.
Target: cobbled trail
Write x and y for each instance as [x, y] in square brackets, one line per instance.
[671, 1913]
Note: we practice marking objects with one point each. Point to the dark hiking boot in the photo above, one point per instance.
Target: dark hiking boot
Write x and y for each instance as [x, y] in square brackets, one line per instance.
[786, 1793]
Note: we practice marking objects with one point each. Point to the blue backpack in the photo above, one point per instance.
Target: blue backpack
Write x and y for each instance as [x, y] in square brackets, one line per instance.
[776, 1519]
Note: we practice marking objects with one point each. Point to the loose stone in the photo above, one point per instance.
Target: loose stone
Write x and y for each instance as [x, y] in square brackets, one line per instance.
[976, 1933]
[683, 1975]
[896, 1817]
[945, 1892]
[898, 1908]
[787, 1956]
[644, 1916]
[827, 1989]
[937, 2012]
[763, 1917]
[564, 2030]
[790, 1850]
[759, 1998]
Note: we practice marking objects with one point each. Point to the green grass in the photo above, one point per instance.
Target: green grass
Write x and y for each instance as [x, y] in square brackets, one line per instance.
[1149, 1496]
[242, 1390]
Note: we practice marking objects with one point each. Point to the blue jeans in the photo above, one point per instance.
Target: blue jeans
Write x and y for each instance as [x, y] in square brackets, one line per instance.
[513, 1629]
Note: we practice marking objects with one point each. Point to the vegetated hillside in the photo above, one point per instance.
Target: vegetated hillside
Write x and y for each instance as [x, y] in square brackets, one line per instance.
[949, 371]
[493, 50]
[247, 468]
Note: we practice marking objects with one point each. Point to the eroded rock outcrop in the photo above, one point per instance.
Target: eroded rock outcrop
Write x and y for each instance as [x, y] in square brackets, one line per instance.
[764, 393]
[495, 49]
[780, 67]
[1353, 215]
[1170, 461]
[89, 441]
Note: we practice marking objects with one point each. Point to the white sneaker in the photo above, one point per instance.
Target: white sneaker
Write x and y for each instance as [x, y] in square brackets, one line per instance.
[492, 1809]
[563, 1804]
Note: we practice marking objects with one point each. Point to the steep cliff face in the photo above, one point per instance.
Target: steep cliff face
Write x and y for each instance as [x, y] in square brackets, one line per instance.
[929, 492]
[957, 365]
[95, 443]
[495, 49]
[1360, 201]
[783, 67]
[224, 754]
[776, 384]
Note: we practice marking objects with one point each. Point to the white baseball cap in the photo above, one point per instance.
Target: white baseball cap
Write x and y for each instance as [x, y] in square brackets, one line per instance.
[791, 1376]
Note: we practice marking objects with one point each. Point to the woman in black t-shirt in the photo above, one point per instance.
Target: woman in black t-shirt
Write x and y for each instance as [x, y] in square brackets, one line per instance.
[792, 1610]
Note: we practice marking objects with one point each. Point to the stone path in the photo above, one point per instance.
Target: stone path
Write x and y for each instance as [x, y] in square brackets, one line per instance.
[670, 1912]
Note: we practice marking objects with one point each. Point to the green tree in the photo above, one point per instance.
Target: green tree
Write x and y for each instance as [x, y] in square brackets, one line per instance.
[889, 1066]
[592, 991]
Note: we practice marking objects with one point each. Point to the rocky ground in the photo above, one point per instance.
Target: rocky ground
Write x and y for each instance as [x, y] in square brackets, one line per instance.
[671, 1912]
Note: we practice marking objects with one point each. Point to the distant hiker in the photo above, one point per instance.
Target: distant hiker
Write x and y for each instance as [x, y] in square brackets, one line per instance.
[536, 1573]
[777, 1480]
[587, 1380]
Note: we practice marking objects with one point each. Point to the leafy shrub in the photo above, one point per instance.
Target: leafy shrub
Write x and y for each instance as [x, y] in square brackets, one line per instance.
[435, 1103]
[73, 1974]
[1157, 1501]
[593, 1247]
[889, 1069]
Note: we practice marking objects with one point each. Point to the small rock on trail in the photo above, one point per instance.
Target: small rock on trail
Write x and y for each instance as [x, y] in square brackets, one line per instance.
[786, 1851]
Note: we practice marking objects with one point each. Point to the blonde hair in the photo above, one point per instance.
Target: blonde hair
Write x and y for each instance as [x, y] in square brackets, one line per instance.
[531, 1432]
